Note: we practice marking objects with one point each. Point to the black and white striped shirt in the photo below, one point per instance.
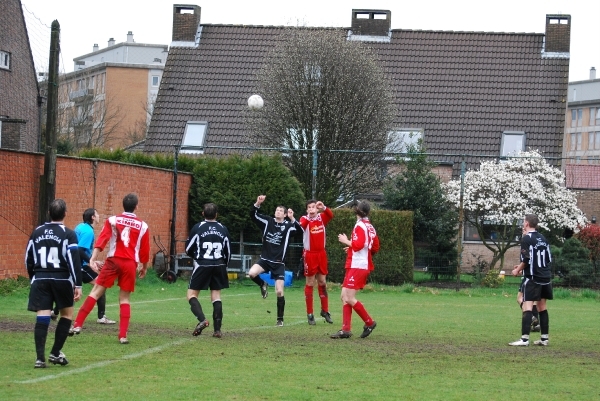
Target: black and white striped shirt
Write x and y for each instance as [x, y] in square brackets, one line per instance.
[535, 253]
[275, 236]
[52, 254]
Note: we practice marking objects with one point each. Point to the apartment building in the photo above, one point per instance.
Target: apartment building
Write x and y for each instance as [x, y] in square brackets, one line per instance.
[108, 99]
[582, 131]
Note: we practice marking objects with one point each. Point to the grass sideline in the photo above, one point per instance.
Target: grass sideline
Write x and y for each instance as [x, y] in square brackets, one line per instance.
[430, 344]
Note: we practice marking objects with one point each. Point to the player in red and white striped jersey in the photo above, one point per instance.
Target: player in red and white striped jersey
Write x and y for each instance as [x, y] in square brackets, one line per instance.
[315, 257]
[128, 239]
[359, 263]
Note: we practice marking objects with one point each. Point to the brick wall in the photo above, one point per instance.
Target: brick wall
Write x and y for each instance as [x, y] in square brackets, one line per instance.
[472, 250]
[84, 183]
[12, 131]
[18, 85]
[588, 200]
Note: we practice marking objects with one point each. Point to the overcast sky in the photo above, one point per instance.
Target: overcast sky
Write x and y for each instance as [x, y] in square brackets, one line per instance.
[84, 23]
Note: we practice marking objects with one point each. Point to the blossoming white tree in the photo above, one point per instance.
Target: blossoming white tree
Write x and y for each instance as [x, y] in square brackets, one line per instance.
[499, 194]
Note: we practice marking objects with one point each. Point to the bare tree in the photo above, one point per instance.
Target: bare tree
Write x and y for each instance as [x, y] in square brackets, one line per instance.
[88, 117]
[324, 96]
[138, 131]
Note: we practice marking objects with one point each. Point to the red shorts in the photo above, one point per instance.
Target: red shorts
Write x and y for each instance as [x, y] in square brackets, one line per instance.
[123, 269]
[356, 279]
[315, 262]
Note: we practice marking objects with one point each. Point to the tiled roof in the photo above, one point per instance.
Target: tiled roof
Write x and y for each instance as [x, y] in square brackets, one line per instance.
[463, 88]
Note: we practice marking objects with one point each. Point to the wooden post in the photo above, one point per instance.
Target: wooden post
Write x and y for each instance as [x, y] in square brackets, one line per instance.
[48, 180]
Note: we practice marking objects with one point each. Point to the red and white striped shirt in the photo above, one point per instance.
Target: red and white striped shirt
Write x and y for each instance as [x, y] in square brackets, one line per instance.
[128, 238]
[314, 230]
[365, 243]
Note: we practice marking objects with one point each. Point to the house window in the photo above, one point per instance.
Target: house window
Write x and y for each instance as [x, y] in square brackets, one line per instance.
[576, 141]
[4, 60]
[194, 135]
[576, 117]
[594, 139]
[400, 141]
[594, 115]
[155, 80]
[513, 142]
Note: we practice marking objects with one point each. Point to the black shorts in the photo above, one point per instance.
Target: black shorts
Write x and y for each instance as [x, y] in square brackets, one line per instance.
[205, 277]
[44, 293]
[534, 292]
[87, 274]
[521, 285]
[276, 269]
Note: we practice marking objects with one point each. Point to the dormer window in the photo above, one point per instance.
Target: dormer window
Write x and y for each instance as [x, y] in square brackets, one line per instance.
[193, 138]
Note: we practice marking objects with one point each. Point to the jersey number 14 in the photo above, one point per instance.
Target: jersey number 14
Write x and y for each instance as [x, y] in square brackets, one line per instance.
[49, 256]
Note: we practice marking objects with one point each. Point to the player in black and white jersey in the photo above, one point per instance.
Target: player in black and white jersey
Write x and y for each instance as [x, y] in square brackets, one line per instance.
[537, 284]
[535, 322]
[54, 268]
[276, 234]
[209, 245]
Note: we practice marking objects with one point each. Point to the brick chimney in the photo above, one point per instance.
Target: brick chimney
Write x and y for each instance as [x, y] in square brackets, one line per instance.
[186, 19]
[371, 22]
[111, 42]
[593, 73]
[558, 33]
[129, 37]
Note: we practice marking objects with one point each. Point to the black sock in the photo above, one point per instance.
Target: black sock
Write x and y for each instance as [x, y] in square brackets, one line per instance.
[197, 309]
[535, 312]
[280, 307]
[60, 335]
[544, 322]
[258, 280]
[101, 302]
[217, 315]
[40, 332]
[526, 323]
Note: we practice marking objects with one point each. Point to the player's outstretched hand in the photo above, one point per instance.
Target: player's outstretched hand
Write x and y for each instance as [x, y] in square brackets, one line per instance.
[320, 206]
[343, 238]
[290, 214]
[260, 199]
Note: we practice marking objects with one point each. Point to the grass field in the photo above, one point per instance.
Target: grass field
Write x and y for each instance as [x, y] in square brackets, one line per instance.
[429, 344]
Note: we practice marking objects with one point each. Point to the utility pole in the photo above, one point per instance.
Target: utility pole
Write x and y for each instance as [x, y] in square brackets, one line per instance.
[48, 180]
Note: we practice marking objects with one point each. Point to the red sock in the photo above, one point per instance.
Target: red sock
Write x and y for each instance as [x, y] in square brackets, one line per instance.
[324, 298]
[347, 317]
[125, 314]
[362, 312]
[84, 311]
[308, 295]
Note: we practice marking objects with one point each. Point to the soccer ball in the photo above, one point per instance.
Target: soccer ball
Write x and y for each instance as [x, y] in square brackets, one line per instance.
[255, 102]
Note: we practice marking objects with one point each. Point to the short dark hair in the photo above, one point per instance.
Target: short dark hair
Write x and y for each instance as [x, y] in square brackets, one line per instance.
[283, 207]
[532, 220]
[88, 214]
[57, 210]
[308, 202]
[210, 211]
[130, 202]
[362, 208]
